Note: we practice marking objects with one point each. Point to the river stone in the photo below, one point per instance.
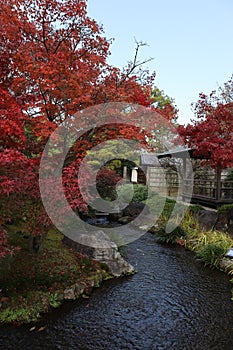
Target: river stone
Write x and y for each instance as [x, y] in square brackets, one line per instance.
[79, 289]
[120, 266]
[226, 264]
[69, 293]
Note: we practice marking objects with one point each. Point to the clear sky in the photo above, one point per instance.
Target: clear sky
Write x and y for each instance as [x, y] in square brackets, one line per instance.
[191, 42]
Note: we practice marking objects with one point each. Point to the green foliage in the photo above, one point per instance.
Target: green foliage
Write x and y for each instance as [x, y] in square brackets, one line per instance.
[137, 192]
[212, 252]
[53, 300]
[210, 246]
[54, 264]
[160, 99]
[116, 150]
[24, 311]
[105, 267]
[132, 192]
[194, 209]
[114, 164]
[171, 237]
[198, 238]
[141, 193]
[224, 208]
[28, 308]
[190, 225]
[168, 208]
[18, 315]
[86, 264]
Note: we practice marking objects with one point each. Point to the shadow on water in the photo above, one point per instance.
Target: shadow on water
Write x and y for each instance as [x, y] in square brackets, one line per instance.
[173, 302]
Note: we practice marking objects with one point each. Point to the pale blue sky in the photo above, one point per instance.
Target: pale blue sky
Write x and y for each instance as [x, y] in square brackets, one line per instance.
[191, 42]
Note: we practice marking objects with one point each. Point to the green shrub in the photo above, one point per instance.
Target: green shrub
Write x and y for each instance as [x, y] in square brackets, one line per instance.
[137, 192]
[30, 283]
[212, 252]
[168, 208]
[53, 300]
[171, 237]
[141, 193]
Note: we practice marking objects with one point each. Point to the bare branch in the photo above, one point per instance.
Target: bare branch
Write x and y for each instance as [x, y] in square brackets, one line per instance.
[133, 65]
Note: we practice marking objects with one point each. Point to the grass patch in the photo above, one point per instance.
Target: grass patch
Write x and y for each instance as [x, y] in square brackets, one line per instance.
[29, 282]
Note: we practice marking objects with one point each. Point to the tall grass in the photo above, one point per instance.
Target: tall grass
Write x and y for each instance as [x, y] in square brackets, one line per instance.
[210, 246]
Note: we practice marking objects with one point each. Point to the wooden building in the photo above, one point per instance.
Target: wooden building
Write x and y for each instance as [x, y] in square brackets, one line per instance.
[189, 181]
[210, 187]
[154, 173]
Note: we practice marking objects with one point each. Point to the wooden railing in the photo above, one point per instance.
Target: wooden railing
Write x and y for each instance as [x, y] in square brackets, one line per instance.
[209, 192]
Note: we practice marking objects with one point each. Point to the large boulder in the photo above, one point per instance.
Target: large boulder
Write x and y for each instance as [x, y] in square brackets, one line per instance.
[207, 219]
[98, 246]
[225, 221]
[135, 212]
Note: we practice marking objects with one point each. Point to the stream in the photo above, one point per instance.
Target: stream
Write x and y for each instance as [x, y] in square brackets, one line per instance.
[172, 302]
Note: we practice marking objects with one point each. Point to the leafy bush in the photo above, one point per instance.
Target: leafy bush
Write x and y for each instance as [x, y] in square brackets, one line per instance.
[171, 237]
[212, 252]
[141, 193]
[133, 192]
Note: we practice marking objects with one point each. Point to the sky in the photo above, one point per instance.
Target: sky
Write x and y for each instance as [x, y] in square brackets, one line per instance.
[191, 43]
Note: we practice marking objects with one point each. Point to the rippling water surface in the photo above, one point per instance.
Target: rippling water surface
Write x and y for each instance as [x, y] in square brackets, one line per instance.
[173, 302]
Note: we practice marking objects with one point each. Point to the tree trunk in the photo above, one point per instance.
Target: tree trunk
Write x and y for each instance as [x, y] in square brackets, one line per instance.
[35, 244]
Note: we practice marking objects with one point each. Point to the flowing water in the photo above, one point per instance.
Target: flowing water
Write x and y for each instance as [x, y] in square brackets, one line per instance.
[172, 302]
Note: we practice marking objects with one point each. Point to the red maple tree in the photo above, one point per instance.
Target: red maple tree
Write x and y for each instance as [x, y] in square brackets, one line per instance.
[210, 136]
[53, 65]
